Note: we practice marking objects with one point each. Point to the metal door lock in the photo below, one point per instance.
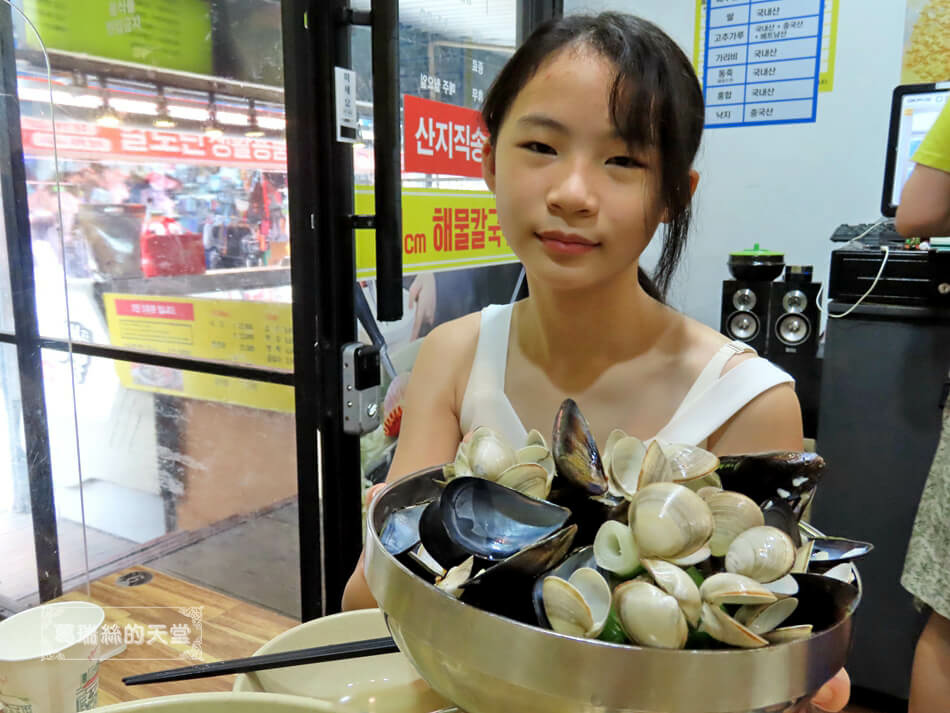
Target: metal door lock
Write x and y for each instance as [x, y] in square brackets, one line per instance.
[360, 388]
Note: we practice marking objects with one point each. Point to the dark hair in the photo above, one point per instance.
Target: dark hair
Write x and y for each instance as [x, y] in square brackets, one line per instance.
[655, 102]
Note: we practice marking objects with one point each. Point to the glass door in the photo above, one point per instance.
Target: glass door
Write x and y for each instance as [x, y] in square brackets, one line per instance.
[454, 259]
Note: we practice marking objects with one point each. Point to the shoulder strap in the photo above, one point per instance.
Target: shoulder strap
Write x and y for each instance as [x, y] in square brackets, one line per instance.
[491, 359]
[722, 400]
[711, 372]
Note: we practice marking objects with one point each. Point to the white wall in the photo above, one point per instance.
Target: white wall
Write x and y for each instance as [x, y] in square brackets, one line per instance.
[786, 187]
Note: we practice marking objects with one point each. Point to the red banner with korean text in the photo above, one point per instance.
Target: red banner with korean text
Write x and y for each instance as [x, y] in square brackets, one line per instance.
[89, 141]
[442, 138]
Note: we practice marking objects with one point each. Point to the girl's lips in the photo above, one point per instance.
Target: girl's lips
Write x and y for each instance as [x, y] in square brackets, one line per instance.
[565, 244]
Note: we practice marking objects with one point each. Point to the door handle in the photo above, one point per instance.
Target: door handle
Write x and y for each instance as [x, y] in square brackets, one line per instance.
[385, 41]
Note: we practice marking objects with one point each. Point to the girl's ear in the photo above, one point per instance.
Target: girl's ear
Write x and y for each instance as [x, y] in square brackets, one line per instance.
[488, 166]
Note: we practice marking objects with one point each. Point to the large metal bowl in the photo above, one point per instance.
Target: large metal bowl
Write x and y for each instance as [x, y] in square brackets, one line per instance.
[486, 663]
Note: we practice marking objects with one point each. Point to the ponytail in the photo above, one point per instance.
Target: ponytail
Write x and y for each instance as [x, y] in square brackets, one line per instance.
[647, 284]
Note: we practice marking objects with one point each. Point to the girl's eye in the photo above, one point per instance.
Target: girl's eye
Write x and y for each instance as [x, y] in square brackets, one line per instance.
[538, 147]
[624, 162]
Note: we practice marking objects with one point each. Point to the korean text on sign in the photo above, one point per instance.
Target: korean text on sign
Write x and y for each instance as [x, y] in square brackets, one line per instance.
[443, 138]
[762, 61]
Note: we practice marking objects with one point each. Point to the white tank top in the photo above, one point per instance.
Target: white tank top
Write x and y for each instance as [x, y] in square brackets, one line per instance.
[711, 401]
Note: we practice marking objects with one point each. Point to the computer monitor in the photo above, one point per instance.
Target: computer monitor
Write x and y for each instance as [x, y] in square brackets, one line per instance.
[914, 109]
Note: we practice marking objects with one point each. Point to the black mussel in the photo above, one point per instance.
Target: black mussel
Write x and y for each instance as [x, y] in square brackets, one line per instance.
[589, 512]
[778, 513]
[827, 552]
[575, 452]
[477, 517]
[822, 601]
[789, 477]
[401, 530]
[505, 587]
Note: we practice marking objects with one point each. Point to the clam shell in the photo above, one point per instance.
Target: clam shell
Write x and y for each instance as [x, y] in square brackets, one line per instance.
[724, 628]
[669, 521]
[729, 588]
[700, 555]
[707, 491]
[679, 585]
[764, 553]
[626, 461]
[656, 467]
[763, 618]
[789, 633]
[786, 586]
[488, 454]
[577, 606]
[649, 616]
[615, 549]
[688, 462]
[802, 556]
[733, 513]
[575, 451]
[535, 453]
[454, 580]
[528, 478]
[534, 437]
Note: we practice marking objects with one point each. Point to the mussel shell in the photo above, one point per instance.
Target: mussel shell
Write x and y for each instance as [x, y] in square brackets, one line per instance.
[401, 530]
[588, 512]
[789, 477]
[477, 517]
[779, 514]
[822, 601]
[505, 587]
[576, 456]
[830, 551]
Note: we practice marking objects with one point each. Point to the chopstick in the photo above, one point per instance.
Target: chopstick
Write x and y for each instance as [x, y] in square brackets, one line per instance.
[297, 657]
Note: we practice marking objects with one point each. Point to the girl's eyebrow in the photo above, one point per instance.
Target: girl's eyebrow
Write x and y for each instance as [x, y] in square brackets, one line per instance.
[547, 122]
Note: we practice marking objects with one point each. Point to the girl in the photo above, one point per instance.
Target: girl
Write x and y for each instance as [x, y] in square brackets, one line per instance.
[593, 126]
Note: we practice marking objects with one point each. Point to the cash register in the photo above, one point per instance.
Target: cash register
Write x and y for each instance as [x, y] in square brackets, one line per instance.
[904, 274]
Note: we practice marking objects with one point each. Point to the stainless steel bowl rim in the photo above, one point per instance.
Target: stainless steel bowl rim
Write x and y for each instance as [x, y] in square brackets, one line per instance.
[609, 676]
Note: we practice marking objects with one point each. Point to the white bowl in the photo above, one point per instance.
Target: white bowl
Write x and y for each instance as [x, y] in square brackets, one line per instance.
[376, 684]
[226, 703]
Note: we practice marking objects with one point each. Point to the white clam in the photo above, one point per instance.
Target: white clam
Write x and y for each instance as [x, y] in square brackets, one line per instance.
[786, 586]
[679, 585]
[724, 628]
[656, 467]
[785, 634]
[707, 491]
[733, 513]
[688, 462]
[700, 555]
[763, 618]
[488, 454]
[764, 553]
[534, 438]
[803, 556]
[649, 616]
[669, 521]
[578, 606]
[615, 549]
[626, 460]
[536, 453]
[528, 478]
[729, 588]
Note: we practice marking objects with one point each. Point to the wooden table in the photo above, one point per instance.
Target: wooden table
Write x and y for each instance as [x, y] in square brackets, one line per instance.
[229, 629]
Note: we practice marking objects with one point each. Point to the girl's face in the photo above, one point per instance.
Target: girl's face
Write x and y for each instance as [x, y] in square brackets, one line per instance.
[575, 204]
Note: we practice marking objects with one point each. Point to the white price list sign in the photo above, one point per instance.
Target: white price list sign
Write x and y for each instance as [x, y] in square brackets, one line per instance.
[761, 61]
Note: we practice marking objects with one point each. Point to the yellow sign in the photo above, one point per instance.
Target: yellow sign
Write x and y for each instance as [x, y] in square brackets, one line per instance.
[926, 42]
[441, 230]
[829, 42]
[250, 333]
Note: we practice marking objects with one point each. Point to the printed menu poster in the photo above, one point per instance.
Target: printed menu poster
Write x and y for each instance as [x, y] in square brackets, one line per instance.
[829, 36]
[926, 56]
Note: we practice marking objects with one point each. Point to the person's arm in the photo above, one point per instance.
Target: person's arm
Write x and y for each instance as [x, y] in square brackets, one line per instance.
[924, 210]
[429, 433]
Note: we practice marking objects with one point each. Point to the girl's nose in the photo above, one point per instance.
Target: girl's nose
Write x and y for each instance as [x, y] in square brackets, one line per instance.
[573, 194]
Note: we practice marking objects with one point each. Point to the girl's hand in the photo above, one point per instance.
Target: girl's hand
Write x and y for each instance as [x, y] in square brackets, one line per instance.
[834, 695]
[372, 493]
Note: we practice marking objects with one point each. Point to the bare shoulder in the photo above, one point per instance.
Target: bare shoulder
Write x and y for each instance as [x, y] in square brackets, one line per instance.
[429, 433]
[770, 421]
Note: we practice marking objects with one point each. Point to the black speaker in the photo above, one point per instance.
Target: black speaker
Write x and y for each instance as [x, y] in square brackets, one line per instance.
[793, 319]
[745, 312]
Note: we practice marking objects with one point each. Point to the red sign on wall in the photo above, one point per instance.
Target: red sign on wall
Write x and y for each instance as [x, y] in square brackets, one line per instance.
[155, 308]
[443, 138]
[82, 140]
